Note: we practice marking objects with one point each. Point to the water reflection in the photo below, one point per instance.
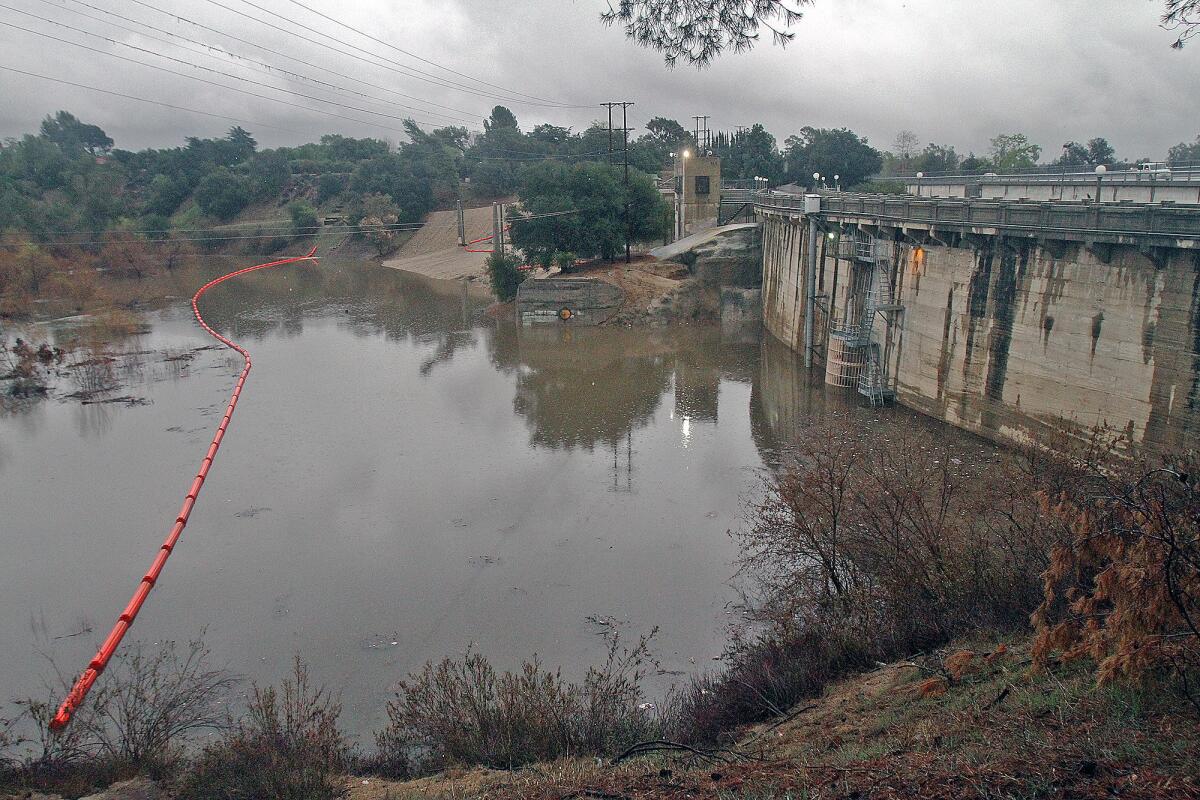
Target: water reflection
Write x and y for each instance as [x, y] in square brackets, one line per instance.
[403, 468]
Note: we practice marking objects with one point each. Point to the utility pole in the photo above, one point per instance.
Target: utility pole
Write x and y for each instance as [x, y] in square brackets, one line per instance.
[609, 106]
[462, 224]
[498, 229]
[503, 241]
[702, 145]
[625, 133]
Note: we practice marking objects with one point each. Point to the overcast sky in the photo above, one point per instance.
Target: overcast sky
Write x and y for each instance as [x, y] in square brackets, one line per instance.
[952, 71]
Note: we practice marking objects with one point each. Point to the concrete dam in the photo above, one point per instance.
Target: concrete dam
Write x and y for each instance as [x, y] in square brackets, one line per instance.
[1018, 320]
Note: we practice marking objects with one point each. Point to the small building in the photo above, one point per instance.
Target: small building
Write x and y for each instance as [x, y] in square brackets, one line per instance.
[697, 195]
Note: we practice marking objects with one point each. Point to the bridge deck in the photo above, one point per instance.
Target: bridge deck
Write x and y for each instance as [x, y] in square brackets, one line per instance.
[1154, 224]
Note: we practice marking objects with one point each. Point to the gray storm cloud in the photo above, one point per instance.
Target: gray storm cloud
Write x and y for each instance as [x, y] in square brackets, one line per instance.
[953, 71]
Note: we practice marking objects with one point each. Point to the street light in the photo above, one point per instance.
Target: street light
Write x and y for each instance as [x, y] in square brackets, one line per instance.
[837, 182]
[1100, 170]
[920, 175]
[816, 180]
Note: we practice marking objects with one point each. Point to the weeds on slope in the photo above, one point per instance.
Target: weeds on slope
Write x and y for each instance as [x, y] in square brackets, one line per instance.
[464, 712]
[870, 545]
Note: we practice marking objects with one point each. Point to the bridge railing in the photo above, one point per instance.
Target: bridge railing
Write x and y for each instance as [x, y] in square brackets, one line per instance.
[1083, 217]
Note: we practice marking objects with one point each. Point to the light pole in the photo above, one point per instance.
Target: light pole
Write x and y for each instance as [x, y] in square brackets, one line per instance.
[920, 175]
[683, 157]
[816, 181]
[1100, 170]
[837, 182]
[1063, 180]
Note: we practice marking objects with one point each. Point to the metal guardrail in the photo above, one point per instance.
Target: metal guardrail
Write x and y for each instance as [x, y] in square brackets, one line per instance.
[1044, 170]
[1163, 219]
[735, 195]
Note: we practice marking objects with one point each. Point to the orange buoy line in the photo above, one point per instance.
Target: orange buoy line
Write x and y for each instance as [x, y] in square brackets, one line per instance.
[96, 666]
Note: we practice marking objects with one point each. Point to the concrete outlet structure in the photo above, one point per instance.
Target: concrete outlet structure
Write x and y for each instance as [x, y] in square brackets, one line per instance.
[1019, 321]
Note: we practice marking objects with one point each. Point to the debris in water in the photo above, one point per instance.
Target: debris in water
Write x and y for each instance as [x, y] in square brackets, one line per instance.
[253, 511]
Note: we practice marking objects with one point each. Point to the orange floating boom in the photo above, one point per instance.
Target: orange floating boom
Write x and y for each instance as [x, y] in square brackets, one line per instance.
[96, 666]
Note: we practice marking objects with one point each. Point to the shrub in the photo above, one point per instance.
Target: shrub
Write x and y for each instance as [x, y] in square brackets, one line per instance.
[304, 218]
[151, 702]
[135, 720]
[288, 747]
[125, 255]
[261, 243]
[223, 194]
[330, 185]
[1124, 587]
[165, 195]
[463, 712]
[564, 261]
[377, 218]
[505, 275]
[869, 546]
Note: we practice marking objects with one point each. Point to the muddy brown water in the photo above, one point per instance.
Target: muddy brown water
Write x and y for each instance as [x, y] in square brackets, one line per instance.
[404, 478]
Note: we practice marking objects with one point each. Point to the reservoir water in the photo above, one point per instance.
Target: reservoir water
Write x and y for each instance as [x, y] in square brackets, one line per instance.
[405, 477]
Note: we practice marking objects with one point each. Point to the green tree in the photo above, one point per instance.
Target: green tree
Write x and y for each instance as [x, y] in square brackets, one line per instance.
[1096, 151]
[241, 142]
[330, 185]
[937, 158]
[394, 176]
[269, 173]
[1100, 151]
[222, 194]
[156, 226]
[830, 152]
[493, 178]
[73, 136]
[596, 198]
[165, 195]
[751, 153]
[1184, 153]
[501, 119]
[1074, 155]
[973, 165]
[1012, 151]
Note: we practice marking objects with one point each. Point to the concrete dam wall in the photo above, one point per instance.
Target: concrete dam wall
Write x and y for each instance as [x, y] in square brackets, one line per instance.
[1017, 338]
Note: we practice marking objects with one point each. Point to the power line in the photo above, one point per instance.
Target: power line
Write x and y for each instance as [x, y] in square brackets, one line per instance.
[270, 69]
[175, 16]
[145, 100]
[198, 66]
[404, 69]
[419, 58]
[230, 88]
[327, 230]
[264, 48]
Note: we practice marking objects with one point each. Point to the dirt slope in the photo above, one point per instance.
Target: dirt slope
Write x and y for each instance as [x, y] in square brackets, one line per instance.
[433, 251]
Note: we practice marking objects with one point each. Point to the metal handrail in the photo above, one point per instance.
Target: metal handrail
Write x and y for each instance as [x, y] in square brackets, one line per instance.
[1163, 218]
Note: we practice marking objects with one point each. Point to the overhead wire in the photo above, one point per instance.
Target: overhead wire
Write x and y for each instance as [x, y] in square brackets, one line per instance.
[390, 64]
[324, 230]
[147, 100]
[417, 57]
[157, 54]
[231, 54]
[234, 88]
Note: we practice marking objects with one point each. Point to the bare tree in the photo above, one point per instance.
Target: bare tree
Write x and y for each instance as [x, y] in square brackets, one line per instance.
[907, 144]
[700, 30]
